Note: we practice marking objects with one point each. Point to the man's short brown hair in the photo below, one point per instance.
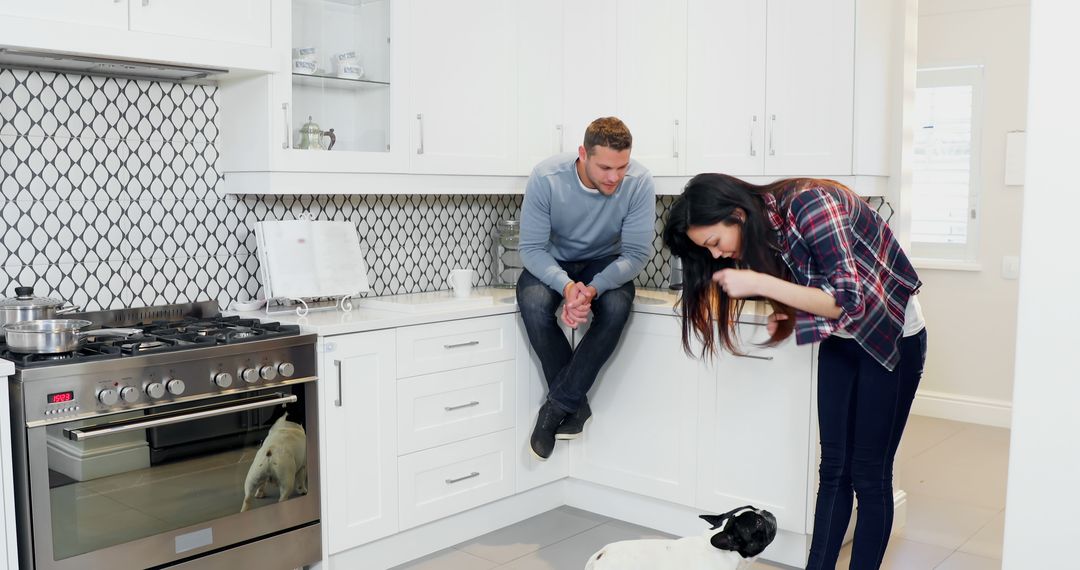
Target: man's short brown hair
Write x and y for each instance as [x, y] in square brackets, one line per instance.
[609, 132]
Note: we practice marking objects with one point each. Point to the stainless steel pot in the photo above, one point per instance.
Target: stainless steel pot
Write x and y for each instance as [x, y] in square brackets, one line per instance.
[24, 306]
[52, 336]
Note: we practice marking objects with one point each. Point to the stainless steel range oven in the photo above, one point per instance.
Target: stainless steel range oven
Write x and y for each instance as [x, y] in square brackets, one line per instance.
[134, 452]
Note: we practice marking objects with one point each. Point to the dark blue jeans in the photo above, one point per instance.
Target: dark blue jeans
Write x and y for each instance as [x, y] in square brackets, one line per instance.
[570, 373]
[862, 410]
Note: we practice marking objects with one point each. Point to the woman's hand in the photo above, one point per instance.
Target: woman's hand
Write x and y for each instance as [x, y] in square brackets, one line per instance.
[774, 322]
[739, 283]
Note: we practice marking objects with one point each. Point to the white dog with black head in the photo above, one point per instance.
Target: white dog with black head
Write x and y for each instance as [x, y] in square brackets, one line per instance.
[281, 460]
[735, 537]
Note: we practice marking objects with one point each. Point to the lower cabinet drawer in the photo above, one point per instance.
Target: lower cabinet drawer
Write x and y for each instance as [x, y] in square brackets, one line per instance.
[445, 480]
[444, 407]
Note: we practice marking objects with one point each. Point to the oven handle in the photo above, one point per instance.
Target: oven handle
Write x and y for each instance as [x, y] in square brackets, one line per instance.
[179, 416]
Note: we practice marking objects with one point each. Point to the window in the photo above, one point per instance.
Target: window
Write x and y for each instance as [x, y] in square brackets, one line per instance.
[945, 170]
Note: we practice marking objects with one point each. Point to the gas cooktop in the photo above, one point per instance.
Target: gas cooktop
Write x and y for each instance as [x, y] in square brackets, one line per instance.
[196, 330]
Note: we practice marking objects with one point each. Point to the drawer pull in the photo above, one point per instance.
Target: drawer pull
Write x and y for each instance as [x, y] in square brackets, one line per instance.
[459, 479]
[461, 344]
[754, 356]
[469, 405]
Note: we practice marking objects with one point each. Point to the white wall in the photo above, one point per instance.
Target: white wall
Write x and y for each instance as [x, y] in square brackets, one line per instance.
[971, 315]
[1041, 527]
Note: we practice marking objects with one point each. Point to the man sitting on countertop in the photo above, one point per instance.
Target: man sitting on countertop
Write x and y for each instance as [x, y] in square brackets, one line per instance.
[586, 232]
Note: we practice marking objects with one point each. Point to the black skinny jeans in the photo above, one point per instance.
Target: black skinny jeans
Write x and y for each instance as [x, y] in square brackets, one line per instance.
[570, 373]
[862, 410]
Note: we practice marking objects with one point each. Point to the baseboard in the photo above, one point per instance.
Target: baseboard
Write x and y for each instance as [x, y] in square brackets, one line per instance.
[971, 409]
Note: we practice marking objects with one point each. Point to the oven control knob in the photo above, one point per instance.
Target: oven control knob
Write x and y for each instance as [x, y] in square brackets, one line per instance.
[129, 394]
[175, 386]
[108, 396]
[250, 375]
[268, 372]
[286, 369]
[155, 390]
[223, 379]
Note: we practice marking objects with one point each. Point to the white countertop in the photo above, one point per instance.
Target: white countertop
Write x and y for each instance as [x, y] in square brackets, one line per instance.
[434, 306]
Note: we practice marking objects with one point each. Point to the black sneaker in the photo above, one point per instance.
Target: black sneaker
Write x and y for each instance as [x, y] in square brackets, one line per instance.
[543, 435]
[574, 423]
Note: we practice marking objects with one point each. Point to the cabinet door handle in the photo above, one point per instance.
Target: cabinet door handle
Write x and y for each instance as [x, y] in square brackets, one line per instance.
[675, 139]
[458, 407]
[753, 129]
[288, 131]
[337, 402]
[420, 119]
[754, 356]
[559, 134]
[459, 479]
[772, 135]
[146, 3]
[461, 344]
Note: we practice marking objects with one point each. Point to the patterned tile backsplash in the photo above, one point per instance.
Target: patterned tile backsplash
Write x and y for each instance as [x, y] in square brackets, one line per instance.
[109, 197]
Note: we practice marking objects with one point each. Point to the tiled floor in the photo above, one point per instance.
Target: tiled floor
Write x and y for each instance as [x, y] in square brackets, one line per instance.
[954, 475]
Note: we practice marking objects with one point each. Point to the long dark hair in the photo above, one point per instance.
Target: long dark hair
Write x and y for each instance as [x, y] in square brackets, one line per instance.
[718, 198]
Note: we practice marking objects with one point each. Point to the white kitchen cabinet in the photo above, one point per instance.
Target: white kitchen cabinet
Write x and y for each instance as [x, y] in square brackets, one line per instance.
[540, 128]
[810, 59]
[101, 13]
[204, 33]
[262, 116]
[644, 432]
[770, 87]
[435, 409]
[451, 345]
[463, 86]
[650, 80]
[725, 90]
[572, 71]
[589, 82]
[357, 383]
[445, 480]
[235, 21]
[756, 433]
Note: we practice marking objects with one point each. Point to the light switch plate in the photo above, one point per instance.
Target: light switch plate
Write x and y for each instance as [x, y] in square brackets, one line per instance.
[1010, 267]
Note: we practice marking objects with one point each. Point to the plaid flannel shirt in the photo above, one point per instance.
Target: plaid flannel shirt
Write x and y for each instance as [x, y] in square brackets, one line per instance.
[834, 241]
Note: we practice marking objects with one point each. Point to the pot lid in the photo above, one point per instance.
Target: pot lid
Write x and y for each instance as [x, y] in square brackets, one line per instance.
[24, 298]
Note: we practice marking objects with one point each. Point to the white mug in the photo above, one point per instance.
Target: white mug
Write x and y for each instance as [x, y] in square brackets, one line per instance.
[461, 281]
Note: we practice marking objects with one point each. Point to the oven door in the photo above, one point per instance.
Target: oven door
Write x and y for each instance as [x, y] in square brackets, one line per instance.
[98, 501]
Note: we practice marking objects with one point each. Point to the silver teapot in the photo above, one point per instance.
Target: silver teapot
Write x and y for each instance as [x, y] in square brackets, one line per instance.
[311, 135]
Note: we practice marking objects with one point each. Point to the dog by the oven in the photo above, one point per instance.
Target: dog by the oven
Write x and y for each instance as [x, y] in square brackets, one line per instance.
[281, 460]
[735, 537]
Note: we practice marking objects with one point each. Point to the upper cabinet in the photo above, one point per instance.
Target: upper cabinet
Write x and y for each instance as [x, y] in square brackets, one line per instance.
[101, 13]
[770, 87]
[336, 105]
[489, 88]
[463, 86]
[809, 63]
[578, 61]
[237, 21]
[232, 35]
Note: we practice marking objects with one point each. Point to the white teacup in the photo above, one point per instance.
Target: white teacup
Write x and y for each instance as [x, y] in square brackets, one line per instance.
[461, 281]
[304, 66]
[308, 53]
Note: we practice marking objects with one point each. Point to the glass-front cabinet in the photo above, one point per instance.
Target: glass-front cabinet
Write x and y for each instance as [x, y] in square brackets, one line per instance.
[341, 78]
[334, 106]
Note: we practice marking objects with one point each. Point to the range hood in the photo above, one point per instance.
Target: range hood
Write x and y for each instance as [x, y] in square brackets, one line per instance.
[89, 65]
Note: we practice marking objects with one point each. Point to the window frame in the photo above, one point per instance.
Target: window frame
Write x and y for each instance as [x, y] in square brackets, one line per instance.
[966, 254]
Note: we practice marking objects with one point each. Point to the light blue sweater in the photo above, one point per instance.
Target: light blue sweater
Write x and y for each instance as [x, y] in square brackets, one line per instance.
[561, 220]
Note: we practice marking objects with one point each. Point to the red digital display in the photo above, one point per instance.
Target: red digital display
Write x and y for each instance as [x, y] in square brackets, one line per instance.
[60, 397]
